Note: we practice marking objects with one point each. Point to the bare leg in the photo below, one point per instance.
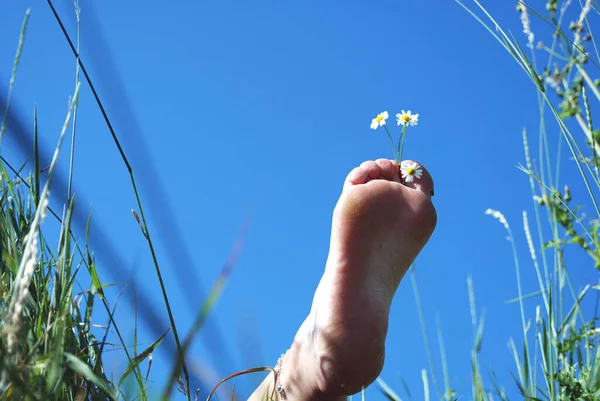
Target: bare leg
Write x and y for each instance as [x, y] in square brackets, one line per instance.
[379, 226]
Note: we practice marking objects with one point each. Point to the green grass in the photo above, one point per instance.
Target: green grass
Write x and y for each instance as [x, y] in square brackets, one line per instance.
[50, 350]
[560, 358]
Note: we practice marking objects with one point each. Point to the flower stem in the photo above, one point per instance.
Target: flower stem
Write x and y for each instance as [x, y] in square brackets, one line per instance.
[392, 141]
[401, 144]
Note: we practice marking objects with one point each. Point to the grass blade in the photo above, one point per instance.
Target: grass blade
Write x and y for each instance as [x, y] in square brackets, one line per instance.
[141, 357]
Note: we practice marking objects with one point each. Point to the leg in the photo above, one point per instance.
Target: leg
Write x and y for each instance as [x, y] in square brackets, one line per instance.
[379, 226]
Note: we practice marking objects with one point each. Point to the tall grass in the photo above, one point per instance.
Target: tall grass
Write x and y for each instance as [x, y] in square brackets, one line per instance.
[49, 347]
[559, 358]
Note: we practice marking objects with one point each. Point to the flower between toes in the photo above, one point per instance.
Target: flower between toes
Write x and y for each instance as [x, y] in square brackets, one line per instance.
[410, 171]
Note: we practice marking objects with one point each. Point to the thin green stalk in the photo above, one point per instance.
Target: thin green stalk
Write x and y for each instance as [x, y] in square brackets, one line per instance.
[535, 261]
[146, 234]
[593, 37]
[498, 216]
[521, 306]
[589, 130]
[544, 149]
[520, 368]
[401, 147]
[552, 53]
[138, 201]
[36, 160]
[571, 212]
[544, 168]
[425, 385]
[576, 307]
[543, 146]
[549, 346]
[424, 329]
[448, 394]
[577, 157]
[557, 168]
[74, 128]
[535, 362]
[477, 327]
[13, 76]
[386, 390]
[130, 360]
[392, 142]
[588, 80]
[472, 309]
[542, 337]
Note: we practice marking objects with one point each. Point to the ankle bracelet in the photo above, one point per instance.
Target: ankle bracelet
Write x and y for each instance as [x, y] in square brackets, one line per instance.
[277, 369]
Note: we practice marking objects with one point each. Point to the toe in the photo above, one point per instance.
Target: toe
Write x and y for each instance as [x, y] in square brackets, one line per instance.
[389, 169]
[424, 183]
[357, 176]
[373, 169]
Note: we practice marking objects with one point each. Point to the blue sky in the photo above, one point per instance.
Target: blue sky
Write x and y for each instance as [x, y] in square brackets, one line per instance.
[227, 109]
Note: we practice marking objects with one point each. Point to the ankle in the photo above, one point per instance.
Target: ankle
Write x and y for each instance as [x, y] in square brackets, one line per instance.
[323, 365]
[298, 370]
[344, 367]
[298, 381]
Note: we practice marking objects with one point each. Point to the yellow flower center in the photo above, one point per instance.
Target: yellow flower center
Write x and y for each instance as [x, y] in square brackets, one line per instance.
[411, 171]
[405, 118]
[379, 118]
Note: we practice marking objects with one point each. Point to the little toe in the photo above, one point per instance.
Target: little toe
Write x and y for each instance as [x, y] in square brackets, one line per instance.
[367, 171]
[357, 176]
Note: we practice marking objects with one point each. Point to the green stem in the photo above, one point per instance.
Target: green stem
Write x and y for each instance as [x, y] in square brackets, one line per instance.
[163, 289]
[401, 140]
[146, 231]
[392, 141]
[413, 279]
[13, 76]
[74, 127]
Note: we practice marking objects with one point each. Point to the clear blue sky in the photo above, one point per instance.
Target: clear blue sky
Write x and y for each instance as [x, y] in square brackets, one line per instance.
[226, 108]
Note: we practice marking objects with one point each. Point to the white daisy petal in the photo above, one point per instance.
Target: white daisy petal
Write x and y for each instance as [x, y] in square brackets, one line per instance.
[379, 120]
[406, 117]
[414, 119]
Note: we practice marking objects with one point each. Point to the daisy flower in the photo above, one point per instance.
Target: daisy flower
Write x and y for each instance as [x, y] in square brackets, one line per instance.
[405, 118]
[410, 171]
[379, 120]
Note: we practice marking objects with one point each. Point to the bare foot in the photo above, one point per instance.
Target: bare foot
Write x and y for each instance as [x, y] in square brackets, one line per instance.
[379, 227]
